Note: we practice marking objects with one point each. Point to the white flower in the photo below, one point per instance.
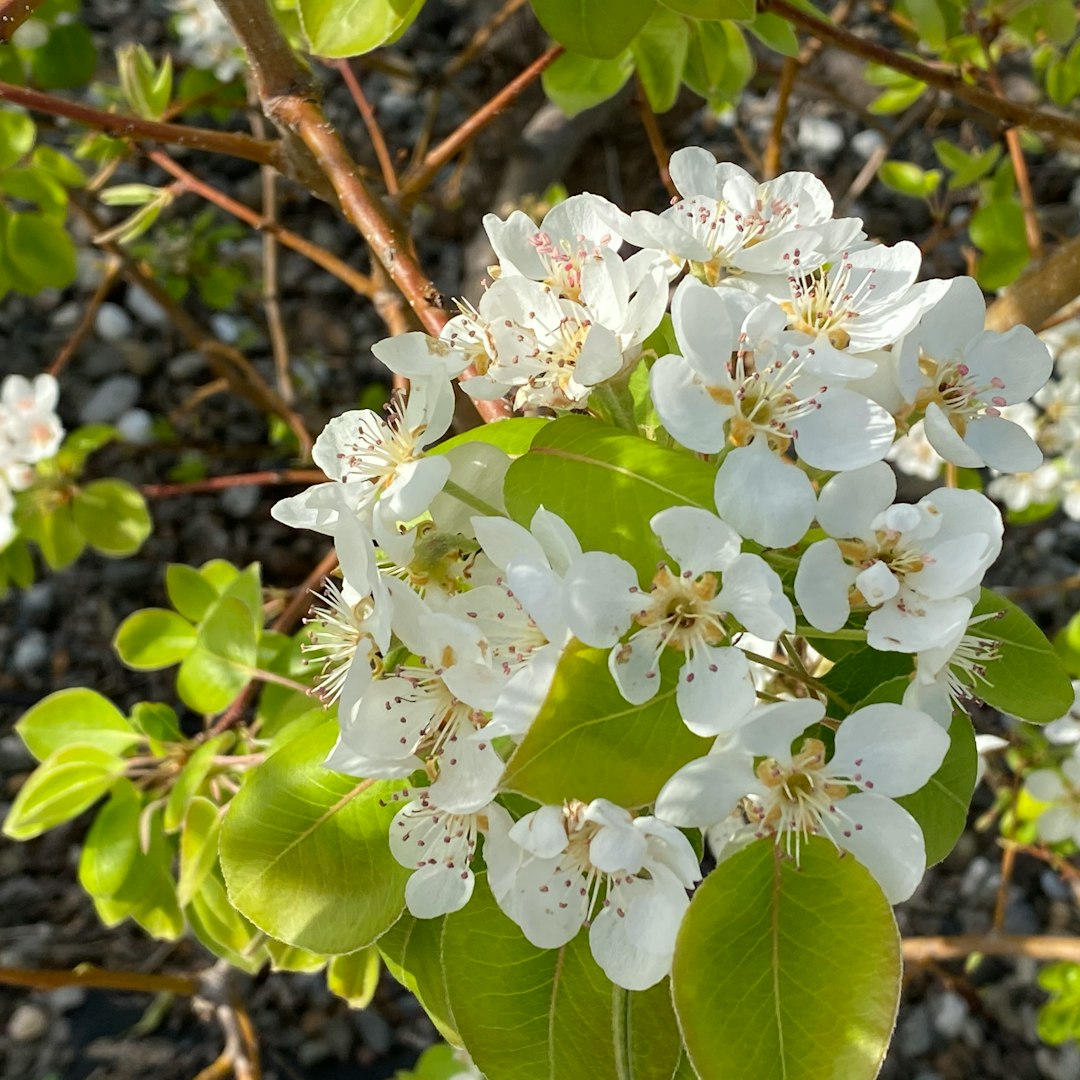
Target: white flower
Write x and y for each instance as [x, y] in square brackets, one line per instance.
[28, 420]
[742, 378]
[689, 610]
[7, 521]
[548, 871]
[206, 39]
[1058, 428]
[1066, 729]
[915, 565]
[1019, 490]
[961, 377]
[881, 752]
[913, 454]
[1061, 788]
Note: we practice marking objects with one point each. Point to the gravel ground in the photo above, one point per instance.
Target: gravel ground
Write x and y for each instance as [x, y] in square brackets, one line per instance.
[134, 369]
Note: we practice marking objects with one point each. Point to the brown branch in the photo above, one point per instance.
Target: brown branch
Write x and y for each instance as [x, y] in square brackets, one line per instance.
[228, 362]
[13, 13]
[290, 100]
[360, 283]
[367, 114]
[480, 39]
[234, 144]
[86, 323]
[660, 152]
[918, 950]
[1056, 124]
[1040, 292]
[420, 177]
[220, 483]
[771, 158]
[88, 975]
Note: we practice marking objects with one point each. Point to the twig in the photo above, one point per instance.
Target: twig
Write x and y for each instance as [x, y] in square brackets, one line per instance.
[367, 114]
[220, 483]
[13, 13]
[1001, 901]
[660, 152]
[392, 312]
[420, 177]
[771, 158]
[917, 950]
[88, 975]
[86, 323]
[1028, 591]
[358, 282]
[234, 144]
[480, 39]
[1057, 124]
[228, 362]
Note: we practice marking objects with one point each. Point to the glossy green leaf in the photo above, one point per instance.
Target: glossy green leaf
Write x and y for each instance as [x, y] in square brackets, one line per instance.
[189, 591]
[588, 742]
[60, 788]
[712, 9]
[304, 850]
[198, 847]
[67, 60]
[338, 28]
[1027, 679]
[855, 676]
[719, 63]
[112, 843]
[221, 928]
[576, 83]
[412, 952]
[54, 531]
[607, 485]
[223, 659]
[191, 777]
[802, 976]
[77, 715]
[660, 52]
[596, 28]
[156, 721]
[40, 251]
[997, 228]
[513, 436]
[775, 32]
[17, 133]
[113, 516]
[355, 977]
[527, 1013]
[909, 179]
[154, 638]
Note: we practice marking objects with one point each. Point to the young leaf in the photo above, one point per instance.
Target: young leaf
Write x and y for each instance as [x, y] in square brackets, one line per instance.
[305, 854]
[355, 977]
[596, 28]
[153, 638]
[77, 715]
[803, 972]
[576, 83]
[189, 591]
[558, 1015]
[336, 29]
[660, 52]
[588, 742]
[112, 844]
[198, 847]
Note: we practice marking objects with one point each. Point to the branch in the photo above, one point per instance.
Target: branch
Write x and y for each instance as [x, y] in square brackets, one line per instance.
[13, 13]
[1011, 112]
[919, 950]
[234, 144]
[1040, 292]
[88, 975]
[220, 483]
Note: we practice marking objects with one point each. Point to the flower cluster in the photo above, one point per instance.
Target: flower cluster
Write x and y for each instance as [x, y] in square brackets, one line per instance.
[30, 431]
[206, 39]
[802, 350]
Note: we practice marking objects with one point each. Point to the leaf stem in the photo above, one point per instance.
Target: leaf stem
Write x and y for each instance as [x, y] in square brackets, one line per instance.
[456, 491]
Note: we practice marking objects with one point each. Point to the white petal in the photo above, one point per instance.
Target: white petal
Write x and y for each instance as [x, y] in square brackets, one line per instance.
[689, 412]
[849, 502]
[469, 772]
[716, 692]
[503, 540]
[946, 440]
[693, 172]
[706, 790]
[615, 849]
[602, 595]
[1046, 785]
[635, 666]
[822, 582]
[697, 540]
[751, 590]
[772, 729]
[917, 625]
[437, 889]
[1003, 445]
[848, 431]
[877, 583]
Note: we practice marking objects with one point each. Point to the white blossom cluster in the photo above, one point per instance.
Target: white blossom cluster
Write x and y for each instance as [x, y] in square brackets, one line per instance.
[206, 39]
[803, 348]
[30, 431]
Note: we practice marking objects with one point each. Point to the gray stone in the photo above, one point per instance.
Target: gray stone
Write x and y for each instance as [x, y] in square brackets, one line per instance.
[66, 998]
[186, 365]
[110, 400]
[820, 136]
[112, 322]
[949, 1013]
[145, 308]
[66, 316]
[226, 327]
[374, 1029]
[915, 1035]
[977, 877]
[31, 653]
[14, 757]
[36, 603]
[240, 502]
[28, 1023]
[864, 143]
[1053, 886]
[1021, 918]
[137, 427]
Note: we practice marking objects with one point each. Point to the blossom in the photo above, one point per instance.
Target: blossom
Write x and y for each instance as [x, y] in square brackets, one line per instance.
[560, 867]
[690, 609]
[1060, 788]
[914, 565]
[960, 377]
[881, 752]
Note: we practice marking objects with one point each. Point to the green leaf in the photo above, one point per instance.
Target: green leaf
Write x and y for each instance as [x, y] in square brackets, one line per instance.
[412, 952]
[191, 777]
[112, 516]
[81, 443]
[154, 638]
[156, 721]
[355, 977]
[802, 979]
[54, 531]
[67, 60]
[60, 788]
[712, 9]
[576, 83]
[1027, 679]
[897, 97]
[198, 847]
[907, 178]
[557, 1014]
[719, 64]
[607, 485]
[998, 229]
[112, 844]
[338, 28]
[775, 32]
[941, 806]
[856, 675]
[77, 715]
[929, 22]
[588, 742]
[596, 28]
[221, 928]
[305, 854]
[36, 186]
[17, 132]
[223, 659]
[189, 591]
[660, 52]
[40, 251]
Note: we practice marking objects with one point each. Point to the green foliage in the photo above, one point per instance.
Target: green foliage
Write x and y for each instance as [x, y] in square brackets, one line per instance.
[72, 717]
[588, 742]
[594, 28]
[660, 51]
[803, 974]
[909, 179]
[899, 91]
[966, 168]
[576, 83]
[412, 952]
[304, 850]
[1059, 1018]
[334, 29]
[146, 86]
[355, 977]
[997, 229]
[557, 1013]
